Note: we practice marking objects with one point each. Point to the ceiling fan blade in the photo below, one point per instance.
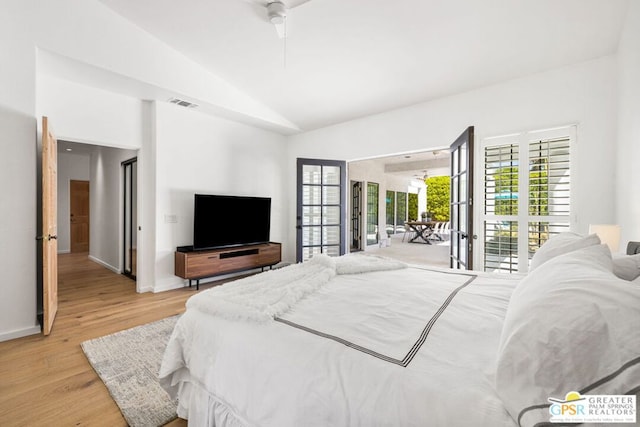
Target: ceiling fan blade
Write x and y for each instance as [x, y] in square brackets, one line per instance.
[259, 8]
[294, 3]
[262, 3]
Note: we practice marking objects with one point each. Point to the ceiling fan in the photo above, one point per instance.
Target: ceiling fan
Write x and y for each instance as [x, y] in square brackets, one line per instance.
[425, 172]
[422, 177]
[277, 12]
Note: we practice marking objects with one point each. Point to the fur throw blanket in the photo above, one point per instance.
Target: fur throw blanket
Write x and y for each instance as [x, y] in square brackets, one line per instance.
[270, 294]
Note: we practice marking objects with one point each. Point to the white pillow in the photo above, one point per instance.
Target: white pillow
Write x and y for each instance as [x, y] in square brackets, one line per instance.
[561, 244]
[627, 267]
[571, 325]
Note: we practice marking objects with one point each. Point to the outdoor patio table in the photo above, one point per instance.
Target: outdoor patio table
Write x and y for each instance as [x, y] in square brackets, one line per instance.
[423, 230]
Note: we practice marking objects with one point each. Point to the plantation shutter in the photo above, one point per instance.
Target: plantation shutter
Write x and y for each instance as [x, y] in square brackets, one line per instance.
[501, 176]
[524, 206]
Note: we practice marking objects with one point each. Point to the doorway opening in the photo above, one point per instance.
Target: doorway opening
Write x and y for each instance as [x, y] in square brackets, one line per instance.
[393, 193]
[90, 185]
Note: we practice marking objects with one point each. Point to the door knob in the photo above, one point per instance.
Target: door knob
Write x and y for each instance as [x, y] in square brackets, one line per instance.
[48, 237]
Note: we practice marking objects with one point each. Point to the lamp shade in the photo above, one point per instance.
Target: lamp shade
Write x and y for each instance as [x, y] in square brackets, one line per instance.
[609, 234]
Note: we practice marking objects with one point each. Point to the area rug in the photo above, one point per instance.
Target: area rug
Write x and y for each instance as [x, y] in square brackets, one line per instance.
[128, 363]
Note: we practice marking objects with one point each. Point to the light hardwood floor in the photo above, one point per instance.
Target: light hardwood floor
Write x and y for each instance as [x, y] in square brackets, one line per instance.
[47, 381]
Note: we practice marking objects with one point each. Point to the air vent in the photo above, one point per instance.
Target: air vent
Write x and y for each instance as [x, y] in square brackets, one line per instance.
[182, 103]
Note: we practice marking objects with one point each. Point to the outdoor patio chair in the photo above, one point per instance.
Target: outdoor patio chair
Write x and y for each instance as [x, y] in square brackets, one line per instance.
[444, 231]
[408, 230]
[437, 230]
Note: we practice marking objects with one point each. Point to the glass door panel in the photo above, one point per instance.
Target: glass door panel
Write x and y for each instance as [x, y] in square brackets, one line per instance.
[461, 201]
[321, 208]
[356, 216]
[390, 203]
[372, 213]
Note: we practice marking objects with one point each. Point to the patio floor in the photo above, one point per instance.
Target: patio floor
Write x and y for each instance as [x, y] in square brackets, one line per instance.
[436, 254]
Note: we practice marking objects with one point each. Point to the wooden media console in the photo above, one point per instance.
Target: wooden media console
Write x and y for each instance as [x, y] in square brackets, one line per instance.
[196, 265]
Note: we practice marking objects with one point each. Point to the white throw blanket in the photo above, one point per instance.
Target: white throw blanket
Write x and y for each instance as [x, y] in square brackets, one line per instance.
[265, 296]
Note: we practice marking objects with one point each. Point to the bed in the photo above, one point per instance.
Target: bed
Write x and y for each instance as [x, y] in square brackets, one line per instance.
[366, 341]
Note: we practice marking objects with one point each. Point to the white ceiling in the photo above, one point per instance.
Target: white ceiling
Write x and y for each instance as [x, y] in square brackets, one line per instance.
[410, 166]
[350, 58]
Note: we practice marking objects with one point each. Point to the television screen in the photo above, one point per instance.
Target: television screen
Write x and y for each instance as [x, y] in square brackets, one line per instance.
[223, 221]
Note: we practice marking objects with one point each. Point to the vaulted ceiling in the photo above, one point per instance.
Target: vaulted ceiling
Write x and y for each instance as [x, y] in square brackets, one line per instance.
[344, 59]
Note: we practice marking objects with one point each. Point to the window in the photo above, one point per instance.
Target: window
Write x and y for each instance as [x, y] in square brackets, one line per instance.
[372, 213]
[524, 206]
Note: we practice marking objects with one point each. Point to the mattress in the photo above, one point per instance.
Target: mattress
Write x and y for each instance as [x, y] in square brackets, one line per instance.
[411, 346]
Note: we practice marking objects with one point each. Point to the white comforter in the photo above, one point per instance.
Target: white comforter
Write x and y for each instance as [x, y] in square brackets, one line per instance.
[406, 347]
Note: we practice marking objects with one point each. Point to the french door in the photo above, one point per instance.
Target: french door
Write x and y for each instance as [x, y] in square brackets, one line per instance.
[356, 216]
[321, 208]
[462, 201]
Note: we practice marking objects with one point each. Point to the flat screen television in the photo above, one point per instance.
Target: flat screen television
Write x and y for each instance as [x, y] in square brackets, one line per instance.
[225, 221]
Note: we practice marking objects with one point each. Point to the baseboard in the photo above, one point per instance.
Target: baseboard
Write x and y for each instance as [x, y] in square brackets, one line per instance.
[64, 251]
[104, 264]
[167, 287]
[6, 336]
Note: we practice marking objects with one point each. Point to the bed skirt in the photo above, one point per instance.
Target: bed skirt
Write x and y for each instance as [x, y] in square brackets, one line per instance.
[202, 409]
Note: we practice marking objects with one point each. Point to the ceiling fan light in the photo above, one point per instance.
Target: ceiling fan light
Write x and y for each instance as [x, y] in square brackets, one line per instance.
[277, 12]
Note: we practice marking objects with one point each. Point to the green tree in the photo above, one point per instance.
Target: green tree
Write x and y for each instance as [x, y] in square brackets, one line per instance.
[506, 188]
[438, 197]
[539, 188]
[506, 203]
[413, 207]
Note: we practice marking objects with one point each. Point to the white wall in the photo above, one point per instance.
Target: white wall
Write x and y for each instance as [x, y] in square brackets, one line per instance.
[583, 94]
[146, 261]
[17, 173]
[71, 166]
[197, 153]
[18, 227]
[105, 200]
[86, 114]
[627, 186]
